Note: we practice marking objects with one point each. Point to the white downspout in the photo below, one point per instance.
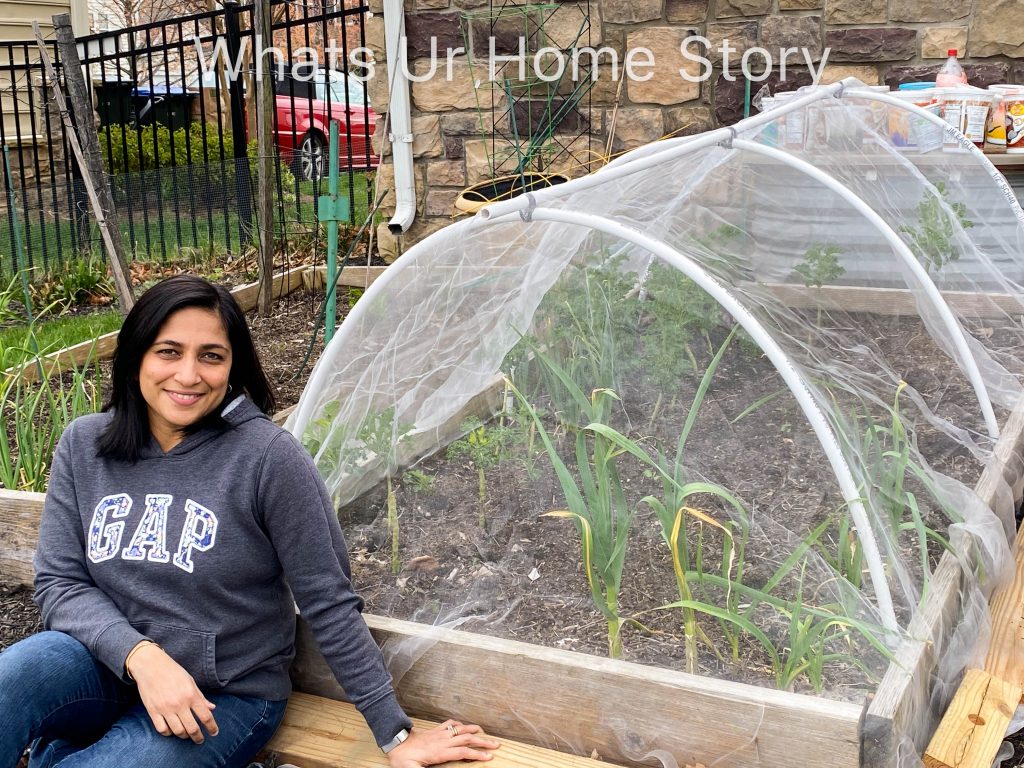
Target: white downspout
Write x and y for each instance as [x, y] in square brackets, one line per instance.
[399, 117]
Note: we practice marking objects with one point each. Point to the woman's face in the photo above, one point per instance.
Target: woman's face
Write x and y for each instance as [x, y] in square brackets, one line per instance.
[184, 374]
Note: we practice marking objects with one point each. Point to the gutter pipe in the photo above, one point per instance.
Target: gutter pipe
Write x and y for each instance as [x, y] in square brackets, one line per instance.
[399, 117]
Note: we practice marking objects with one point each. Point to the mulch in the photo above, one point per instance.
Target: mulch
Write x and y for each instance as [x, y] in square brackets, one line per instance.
[19, 616]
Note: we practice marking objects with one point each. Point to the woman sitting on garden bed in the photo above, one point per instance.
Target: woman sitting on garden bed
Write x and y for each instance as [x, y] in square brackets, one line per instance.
[171, 524]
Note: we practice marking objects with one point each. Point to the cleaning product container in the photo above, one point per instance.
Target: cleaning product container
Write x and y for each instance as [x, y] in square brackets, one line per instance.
[1012, 98]
[966, 108]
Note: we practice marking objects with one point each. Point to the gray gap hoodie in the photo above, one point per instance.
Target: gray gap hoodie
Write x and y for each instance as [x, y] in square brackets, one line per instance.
[191, 548]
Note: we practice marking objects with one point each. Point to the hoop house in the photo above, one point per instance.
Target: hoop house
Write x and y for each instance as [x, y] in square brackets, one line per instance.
[719, 408]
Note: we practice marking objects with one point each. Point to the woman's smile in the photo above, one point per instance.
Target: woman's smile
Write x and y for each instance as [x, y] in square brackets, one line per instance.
[184, 398]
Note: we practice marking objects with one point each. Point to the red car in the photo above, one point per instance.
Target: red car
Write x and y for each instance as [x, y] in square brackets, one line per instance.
[306, 102]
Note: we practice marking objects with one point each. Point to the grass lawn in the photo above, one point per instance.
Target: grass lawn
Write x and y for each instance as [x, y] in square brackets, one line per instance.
[54, 334]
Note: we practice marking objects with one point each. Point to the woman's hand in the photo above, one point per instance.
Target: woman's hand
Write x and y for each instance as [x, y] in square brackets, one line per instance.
[170, 695]
[449, 741]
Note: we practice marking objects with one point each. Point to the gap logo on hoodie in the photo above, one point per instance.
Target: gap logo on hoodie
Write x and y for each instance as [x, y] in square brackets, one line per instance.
[149, 541]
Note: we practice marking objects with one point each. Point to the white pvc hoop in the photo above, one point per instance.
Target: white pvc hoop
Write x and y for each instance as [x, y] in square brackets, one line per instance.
[790, 375]
[904, 252]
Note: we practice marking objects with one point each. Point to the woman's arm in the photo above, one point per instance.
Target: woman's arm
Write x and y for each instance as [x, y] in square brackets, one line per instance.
[300, 520]
[298, 517]
[68, 598]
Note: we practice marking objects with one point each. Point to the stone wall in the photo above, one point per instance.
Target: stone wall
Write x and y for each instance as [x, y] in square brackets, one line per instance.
[877, 41]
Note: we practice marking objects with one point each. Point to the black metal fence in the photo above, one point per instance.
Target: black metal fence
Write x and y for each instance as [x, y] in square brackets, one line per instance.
[174, 105]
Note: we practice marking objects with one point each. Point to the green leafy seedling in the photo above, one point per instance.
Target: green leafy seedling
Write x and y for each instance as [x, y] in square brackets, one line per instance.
[484, 447]
[931, 239]
[820, 266]
[418, 480]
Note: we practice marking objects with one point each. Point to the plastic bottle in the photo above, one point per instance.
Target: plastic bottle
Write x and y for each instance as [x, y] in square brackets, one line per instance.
[951, 74]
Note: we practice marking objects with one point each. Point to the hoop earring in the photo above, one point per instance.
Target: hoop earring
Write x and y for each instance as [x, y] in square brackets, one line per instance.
[230, 388]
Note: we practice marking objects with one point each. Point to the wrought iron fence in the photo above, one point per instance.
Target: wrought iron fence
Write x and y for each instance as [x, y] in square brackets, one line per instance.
[174, 107]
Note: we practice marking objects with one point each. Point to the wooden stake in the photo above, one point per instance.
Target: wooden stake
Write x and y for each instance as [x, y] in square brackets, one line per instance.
[1005, 659]
[266, 183]
[88, 151]
[975, 724]
[320, 733]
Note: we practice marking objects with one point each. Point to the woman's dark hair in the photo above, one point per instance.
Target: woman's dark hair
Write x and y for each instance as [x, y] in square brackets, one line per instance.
[128, 431]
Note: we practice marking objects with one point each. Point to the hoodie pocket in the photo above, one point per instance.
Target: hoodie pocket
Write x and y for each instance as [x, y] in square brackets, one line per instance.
[195, 651]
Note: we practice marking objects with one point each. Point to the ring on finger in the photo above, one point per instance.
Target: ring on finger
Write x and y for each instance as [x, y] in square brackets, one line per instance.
[453, 730]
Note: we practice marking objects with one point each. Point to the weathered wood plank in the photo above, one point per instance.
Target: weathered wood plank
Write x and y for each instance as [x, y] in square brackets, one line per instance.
[892, 301]
[898, 717]
[74, 357]
[1005, 658]
[321, 733]
[549, 697]
[355, 277]
[19, 530]
[1006, 467]
[284, 283]
[902, 710]
[970, 734]
[282, 416]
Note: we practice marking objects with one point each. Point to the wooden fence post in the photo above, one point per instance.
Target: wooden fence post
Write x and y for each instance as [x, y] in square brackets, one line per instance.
[86, 146]
[266, 181]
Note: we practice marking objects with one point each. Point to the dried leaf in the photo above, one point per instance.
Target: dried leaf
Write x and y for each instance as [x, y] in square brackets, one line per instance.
[423, 563]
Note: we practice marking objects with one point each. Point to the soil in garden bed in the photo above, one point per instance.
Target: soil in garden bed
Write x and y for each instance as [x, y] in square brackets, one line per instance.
[520, 575]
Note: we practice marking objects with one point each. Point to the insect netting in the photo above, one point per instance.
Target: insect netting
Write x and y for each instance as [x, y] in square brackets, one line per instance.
[720, 407]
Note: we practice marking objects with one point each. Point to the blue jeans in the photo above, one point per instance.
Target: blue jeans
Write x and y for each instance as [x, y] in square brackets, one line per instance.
[75, 713]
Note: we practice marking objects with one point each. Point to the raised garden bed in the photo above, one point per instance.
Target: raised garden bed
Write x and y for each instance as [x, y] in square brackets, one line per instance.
[442, 540]
[480, 678]
[440, 672]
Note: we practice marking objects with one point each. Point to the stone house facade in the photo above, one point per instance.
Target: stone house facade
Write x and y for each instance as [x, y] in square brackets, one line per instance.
[877, 41]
